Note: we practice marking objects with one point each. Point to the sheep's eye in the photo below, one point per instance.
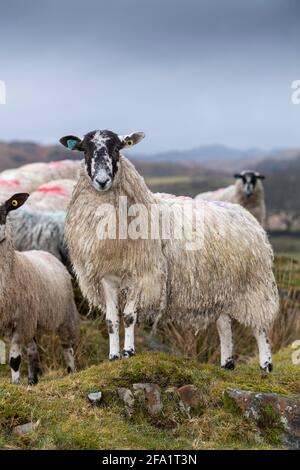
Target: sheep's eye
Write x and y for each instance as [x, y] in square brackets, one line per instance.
[14, 203]
[129, 142]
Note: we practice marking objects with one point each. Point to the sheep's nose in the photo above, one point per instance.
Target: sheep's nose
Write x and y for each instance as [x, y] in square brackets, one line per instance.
[102, 183]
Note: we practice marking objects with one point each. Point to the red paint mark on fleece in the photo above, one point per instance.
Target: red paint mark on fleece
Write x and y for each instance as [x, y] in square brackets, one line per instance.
[60, 164]
[43, 255]
[10, 183]
[54, 190]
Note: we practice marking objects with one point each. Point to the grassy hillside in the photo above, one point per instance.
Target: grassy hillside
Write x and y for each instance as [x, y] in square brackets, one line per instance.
[66, 420]
[187, 185]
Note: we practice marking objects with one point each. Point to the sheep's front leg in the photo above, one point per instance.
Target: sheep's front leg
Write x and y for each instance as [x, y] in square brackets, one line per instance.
[15, 359]
[265, 355]
[225, 335]
[130, 316]
[33, 365]
[112, 317]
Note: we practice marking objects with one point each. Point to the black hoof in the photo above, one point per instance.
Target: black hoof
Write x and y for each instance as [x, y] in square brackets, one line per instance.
[229, 365]
[33, 380]
[114, 357]
[268, 367]
[128, 353]
[70, 370]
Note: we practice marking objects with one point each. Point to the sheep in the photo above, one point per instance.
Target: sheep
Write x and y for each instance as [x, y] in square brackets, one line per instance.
[36, 296]
[55, 170]
[52, 197]
[40, 173]
[40, 231]
[32, 174]
[226, 273]
[9, 185]
[248, 191]
[64, 169]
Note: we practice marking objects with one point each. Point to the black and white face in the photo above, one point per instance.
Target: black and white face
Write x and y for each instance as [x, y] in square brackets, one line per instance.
[11, 204]
[249, 181]
[102, 153]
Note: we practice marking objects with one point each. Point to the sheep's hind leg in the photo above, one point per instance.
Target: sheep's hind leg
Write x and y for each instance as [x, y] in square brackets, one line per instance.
[15, 359]
[226, 344]
[130, 317]
[112, 317]
[265, 354]
[33, 364]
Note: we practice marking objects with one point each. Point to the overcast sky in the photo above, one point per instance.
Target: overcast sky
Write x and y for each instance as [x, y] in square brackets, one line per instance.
[187, 72]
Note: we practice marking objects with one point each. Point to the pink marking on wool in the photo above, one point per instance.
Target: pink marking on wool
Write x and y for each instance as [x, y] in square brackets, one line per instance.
[172, 196]
[54, 189]
[221, 203]
[57, 164]
[10, 183]
[44, 255]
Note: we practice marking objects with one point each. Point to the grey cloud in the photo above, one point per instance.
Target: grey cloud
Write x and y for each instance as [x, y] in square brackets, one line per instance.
[187, 72]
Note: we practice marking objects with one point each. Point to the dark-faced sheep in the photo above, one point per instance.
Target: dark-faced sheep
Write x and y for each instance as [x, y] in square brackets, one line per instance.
[248, 191]
[36, 296]
[225, 274]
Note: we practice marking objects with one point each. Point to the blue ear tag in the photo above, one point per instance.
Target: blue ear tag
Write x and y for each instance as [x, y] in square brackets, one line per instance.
[71, 144]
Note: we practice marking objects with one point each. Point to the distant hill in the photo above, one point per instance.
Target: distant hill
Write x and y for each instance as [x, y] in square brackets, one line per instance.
[192, 171]
[15, 154]
[207, 155]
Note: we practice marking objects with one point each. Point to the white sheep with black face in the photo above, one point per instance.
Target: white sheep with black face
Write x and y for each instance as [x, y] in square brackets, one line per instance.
[36, 297]
[225, 274]
[248, 191]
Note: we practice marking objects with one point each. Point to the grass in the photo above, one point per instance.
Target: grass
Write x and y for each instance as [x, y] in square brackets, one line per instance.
[67, 421]
[287, 244]
[204, 346]
[187, 185]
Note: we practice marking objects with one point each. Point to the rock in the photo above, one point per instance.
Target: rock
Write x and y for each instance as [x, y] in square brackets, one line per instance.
[270, 410]
[95, 398]
[152, 394]
[25, 428]
[127, 398]
[190, 398]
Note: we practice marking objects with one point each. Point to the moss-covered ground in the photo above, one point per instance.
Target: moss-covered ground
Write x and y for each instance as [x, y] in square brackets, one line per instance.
[66, 420]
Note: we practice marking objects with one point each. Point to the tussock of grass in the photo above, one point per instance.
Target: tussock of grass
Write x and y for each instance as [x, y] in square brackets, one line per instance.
[68, 421]
[204, 346]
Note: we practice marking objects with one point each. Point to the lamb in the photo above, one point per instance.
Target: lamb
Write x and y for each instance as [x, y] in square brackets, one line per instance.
[52, 197]
[40, 231]
[226, 273]
[248, 191]
[36, 297]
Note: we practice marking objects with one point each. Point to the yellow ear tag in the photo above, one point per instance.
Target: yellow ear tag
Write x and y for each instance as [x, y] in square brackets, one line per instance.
[14, 203]
[129, 142]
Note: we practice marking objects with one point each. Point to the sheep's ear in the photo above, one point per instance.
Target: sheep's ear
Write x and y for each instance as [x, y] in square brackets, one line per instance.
[237, 175]
[71, 142]
[131, 139]
[260, 177]
[16, 201]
